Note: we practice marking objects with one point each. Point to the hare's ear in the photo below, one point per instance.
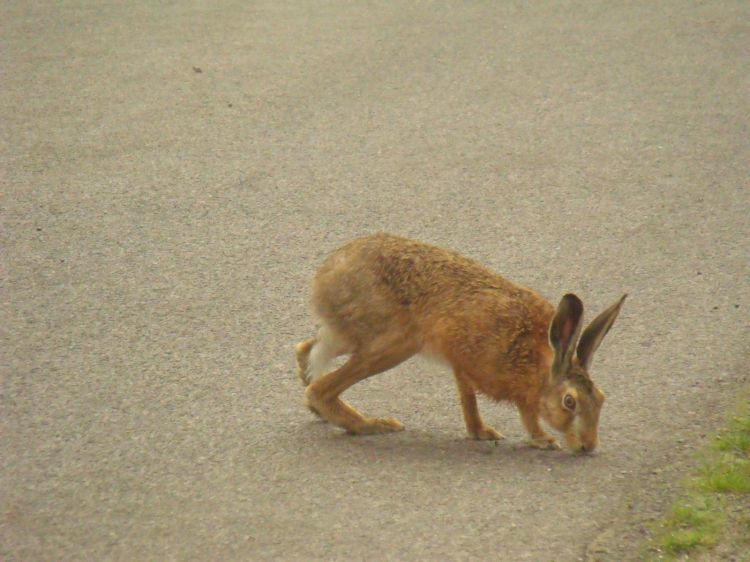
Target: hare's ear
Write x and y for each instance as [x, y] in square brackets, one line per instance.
[564, 330]
[594, 333]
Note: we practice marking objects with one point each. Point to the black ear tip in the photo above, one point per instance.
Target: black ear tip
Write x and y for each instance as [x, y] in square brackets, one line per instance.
[572, 300]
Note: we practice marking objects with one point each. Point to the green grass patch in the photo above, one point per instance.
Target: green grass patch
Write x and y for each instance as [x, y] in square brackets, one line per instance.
[682, 540]
[737, 438]
[698, 520]
[697, 514]
[730, 475]
[695, 521]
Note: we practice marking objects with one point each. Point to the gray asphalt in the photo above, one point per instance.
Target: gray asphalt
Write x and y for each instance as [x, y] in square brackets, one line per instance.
[173, 174]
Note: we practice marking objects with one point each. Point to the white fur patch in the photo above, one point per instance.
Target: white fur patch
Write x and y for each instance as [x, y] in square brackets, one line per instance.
[434, 359]
[326, 348]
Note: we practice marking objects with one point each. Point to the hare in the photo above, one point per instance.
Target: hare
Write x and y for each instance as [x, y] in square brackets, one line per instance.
[382, 299]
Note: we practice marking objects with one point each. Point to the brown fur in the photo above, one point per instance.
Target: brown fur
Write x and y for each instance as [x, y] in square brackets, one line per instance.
[381, 299]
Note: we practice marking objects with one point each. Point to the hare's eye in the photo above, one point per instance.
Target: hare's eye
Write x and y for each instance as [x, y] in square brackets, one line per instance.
[569, 402]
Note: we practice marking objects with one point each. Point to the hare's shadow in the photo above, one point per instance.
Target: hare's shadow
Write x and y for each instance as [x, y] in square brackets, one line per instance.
[419, 446]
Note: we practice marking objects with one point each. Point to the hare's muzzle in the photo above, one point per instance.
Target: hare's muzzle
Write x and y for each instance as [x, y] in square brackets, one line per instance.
[582, 442]
[587, 449]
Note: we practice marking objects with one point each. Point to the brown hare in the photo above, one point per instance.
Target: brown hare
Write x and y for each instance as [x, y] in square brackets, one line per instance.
[382, 299]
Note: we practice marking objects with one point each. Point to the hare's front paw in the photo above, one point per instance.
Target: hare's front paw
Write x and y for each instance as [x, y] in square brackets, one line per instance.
[487, 433]
[546, 442]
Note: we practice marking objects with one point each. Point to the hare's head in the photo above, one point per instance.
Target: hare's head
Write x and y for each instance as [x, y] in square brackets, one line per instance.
[572, 402]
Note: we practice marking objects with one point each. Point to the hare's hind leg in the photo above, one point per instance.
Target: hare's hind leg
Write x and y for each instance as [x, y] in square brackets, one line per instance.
[303, 370]
[474, 424]
[314, 355]
[302, 350]
[378, 356]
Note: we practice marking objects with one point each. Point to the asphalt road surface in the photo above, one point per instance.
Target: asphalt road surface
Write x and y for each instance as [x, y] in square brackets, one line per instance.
[173, 174]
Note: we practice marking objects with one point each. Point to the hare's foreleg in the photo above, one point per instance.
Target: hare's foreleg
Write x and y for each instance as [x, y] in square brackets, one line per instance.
[539, 438]
[378, 356]
[474, 424]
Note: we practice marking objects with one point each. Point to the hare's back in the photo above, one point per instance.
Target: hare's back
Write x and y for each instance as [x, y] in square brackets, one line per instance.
[394, 271]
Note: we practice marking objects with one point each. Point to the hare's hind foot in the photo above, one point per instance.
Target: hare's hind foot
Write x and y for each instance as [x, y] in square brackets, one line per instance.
[345, 416]
[372, 426]
[486, 433]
